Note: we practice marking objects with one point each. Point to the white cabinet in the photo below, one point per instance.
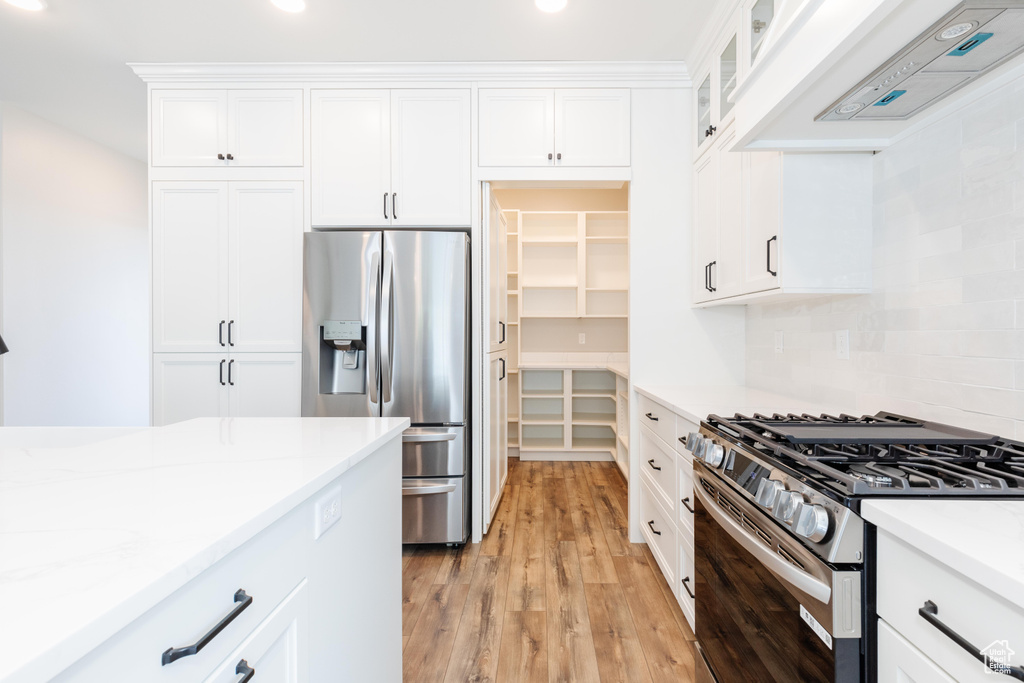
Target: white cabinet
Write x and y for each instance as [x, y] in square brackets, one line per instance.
[901, 662]
[712, 101]
[227, 266]
[227, 128]
[495, 275]
[562, 127]
[391, 158]
[495, 433]
[190, 385]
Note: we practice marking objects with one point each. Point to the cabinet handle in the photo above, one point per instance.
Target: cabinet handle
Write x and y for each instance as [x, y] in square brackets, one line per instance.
[502, 369]
[230, 158]
[768, 255]
[713, 130]
[550, 156]
[711, 286]
[653, 466]
[930, 613]
[386, 207]
[231, 364]
[707, 278]
[220, 333]
[652, 417]
[231, 328]
[502, 340]
[685, 588]
[221, 157]
[651, 524]
[243, 668]
[686, 504]
[172, 654]
[222, 382]
[559, 156]
[394, 205]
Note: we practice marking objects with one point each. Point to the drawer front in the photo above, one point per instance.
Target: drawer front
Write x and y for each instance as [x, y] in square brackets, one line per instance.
[901, 662]
[685, 494]
[193, 610]
[659, 533]
[434, 510]
[277, 649]
[683, 429]
[434, 452]
[908, 578]
[658, 465]
[657, 418]
[687, 579]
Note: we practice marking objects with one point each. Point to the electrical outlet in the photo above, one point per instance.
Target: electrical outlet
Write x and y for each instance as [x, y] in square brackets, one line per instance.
[328, 512]
[583, 338]
[843, 345]
[779, 341]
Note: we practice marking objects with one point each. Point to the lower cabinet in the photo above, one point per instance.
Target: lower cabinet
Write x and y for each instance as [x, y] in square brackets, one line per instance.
[495, 433]
[190, 385]
[901, 662]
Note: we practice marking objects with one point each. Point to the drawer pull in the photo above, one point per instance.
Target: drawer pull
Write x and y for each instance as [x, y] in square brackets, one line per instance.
[687, 505]
[687, 588]
[653, 466]
[423, 438]
[651, 417]
[173, 654]
[243, 668]
[930, 613]
[651, 524]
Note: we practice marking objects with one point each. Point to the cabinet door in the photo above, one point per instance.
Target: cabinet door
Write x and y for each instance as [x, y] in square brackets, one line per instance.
[727, 274]
[761, 261]
[517, 127]
[265, 127]
[900, 662]
[430, 158]
[592, 127]
[265, 243]
[189, 127]
[702, 115]
[705, 229]
[265, 384]
[495, 277]
[495, 433]
[351, 157]
[190, 266]
[189, 385]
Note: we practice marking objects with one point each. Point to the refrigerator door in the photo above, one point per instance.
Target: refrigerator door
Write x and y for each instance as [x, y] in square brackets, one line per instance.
[424, 335]
[340, 313]
[434, 510]
[434, 452]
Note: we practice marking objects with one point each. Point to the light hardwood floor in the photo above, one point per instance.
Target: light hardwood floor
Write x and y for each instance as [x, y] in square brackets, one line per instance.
[555, 592]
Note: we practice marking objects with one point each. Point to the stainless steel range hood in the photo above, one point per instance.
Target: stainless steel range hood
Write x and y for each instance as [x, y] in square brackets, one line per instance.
[974, 38]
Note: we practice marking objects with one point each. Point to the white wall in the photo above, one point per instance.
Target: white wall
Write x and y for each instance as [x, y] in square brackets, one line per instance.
[942, 336]
[75, 270]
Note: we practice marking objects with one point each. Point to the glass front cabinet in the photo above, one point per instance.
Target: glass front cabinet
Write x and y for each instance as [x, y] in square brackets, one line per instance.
[757, 18]
[713, 107]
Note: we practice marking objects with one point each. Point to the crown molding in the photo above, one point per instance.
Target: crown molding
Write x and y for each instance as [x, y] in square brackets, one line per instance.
[660, 73]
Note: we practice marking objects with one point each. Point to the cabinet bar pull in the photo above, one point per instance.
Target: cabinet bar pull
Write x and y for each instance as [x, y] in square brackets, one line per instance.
[651, 524]
[711, 286]
[394, 205]
[687, 506]
[685, 588]
[652, 417]
[502, 340]
[172, 654]
[231, 328]
[231, 364]
[243, 668]
[502, 369]
[768, 255]
[653, 467]
[386, 206]
[222, 382]
[930, 613]
[220, 333]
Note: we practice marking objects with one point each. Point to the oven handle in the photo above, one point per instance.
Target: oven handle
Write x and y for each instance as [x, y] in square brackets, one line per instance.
[812, 586]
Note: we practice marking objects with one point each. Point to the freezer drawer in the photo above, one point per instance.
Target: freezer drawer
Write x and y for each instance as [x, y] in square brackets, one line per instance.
[434, 452]
[434, 510]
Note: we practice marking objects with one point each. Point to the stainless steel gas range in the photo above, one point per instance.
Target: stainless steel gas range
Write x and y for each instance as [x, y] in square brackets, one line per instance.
[785, 587]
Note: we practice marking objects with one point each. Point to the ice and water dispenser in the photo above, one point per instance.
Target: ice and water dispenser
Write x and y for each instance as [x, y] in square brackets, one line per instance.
[342, 357]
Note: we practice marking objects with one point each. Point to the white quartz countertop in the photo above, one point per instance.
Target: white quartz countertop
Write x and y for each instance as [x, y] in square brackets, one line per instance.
[981, 539]
[695, 403]
[93, 536]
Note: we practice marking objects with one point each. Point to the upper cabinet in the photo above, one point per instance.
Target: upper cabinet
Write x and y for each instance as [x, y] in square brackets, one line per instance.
[227, 128]
[561, 127]
[391, 158]
[713, 104]
[757, 17]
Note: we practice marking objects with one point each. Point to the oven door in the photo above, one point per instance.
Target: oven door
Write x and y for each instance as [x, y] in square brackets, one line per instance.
[767, 609]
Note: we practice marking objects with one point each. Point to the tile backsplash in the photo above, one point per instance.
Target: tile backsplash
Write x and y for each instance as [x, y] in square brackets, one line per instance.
[942, 335]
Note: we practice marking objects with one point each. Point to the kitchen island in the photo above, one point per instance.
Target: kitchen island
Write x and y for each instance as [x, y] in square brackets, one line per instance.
[115, 553]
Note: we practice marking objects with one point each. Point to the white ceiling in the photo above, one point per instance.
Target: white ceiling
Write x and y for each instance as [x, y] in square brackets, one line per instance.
[67, 64]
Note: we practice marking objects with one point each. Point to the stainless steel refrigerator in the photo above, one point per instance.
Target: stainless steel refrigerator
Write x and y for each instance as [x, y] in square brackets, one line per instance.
[386, 333]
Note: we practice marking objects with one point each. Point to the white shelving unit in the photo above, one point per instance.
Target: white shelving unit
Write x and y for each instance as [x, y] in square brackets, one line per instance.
[513, 331]
[568, 414]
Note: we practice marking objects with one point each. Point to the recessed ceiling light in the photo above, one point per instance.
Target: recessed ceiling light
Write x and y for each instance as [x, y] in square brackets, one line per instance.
[290, 5]
[30, 5]
[551, 5]
[955, 31]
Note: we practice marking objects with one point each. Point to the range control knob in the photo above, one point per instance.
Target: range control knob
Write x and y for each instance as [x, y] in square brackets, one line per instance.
[768, 492]
[811, 522]
[713, 454]
[786, 505]
[692, 439]
[699, 445]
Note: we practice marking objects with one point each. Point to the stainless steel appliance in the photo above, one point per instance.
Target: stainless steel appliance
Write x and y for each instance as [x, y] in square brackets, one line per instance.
[784, 563]
[386, 333]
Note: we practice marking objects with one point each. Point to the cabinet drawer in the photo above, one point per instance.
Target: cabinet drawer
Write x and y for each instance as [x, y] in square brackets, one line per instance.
[685, 494]
[907, 579]
[901, 662]
[276, 649]
[683, 429]
[658, 465]
[657, 418]
[189, 613]
[659, 532]
[687, 579]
